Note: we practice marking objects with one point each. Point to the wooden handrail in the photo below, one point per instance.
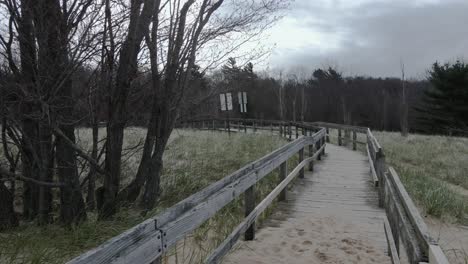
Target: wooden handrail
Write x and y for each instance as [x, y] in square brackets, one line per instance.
[147, 241]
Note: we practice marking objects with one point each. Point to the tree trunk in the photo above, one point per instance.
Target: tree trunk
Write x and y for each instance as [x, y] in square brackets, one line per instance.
[404, 113]
[90, 198]
[140, 18]
[72, 206]
[8, 217]
[132, 191]
[45, 174]
[29, 144]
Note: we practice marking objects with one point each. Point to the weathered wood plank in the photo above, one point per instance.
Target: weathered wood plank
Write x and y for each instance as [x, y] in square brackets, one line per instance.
[249, 200]
[372, 168]
[412, 211]
[436, 255]
[405, 229]
[392, 251]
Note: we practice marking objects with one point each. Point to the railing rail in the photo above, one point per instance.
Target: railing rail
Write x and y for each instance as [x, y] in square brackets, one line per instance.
[149, 240]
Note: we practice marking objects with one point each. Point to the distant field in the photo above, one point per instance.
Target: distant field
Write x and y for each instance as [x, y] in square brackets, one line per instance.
[193, 160]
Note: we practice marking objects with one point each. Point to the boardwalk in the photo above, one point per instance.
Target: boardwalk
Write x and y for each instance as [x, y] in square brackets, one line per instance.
[330, 216]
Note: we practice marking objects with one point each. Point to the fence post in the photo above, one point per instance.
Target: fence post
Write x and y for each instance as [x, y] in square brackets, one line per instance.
[380, 170]
[339, 136]
[317, 147]
[301, 158]
[323, 144]
[311, 153]
[249, 201]
[290, 130]
[354, 140]
[297, 131]
[283, 173]
[245, 127]
[328, 135]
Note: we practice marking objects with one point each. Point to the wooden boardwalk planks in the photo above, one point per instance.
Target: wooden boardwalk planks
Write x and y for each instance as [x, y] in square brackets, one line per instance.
[340, 189]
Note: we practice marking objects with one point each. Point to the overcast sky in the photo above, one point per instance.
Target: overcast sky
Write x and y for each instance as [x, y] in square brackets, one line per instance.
[370, 37]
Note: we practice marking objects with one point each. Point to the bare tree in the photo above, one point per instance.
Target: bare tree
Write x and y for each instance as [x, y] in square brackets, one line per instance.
[184, 29]
[403, 103]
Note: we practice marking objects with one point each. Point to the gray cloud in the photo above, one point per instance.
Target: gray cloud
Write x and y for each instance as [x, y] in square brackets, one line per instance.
[371, 37]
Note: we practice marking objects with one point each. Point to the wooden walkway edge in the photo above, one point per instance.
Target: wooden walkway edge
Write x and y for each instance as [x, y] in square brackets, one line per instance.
[339, 190]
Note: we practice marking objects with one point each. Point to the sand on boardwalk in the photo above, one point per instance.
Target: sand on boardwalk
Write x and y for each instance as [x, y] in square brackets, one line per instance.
[307, 240]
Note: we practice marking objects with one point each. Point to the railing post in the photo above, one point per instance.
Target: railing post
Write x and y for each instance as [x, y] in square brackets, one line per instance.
[323, 144]
[339, 137]
[297, 131]
[328, 135]
[317, 147]
[290, 130]
[311, 153]
[354, 140]
[283, 173]
[245, 127]
[380, 170]
[301, 158]
[249, 200]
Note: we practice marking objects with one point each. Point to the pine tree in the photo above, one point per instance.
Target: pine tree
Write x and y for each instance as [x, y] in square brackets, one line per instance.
[446, 102]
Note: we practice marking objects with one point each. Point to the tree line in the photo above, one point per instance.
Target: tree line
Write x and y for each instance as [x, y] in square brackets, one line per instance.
[432, 105]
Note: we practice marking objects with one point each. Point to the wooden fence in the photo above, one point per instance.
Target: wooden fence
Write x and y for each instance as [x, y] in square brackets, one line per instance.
[148, 241]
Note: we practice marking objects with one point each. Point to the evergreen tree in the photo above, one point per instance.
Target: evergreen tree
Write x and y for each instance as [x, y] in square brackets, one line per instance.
[446, 102]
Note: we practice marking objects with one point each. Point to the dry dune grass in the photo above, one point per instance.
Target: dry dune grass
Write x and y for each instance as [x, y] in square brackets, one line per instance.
[193, 160]
[434, 170]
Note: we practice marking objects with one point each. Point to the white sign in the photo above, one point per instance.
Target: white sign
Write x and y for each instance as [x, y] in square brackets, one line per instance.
[226, 101]
[222, 99]
[229, 101]
[242, 96]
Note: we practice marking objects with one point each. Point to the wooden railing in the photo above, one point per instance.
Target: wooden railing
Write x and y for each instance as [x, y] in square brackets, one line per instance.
[148, 241]
[405, 224]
